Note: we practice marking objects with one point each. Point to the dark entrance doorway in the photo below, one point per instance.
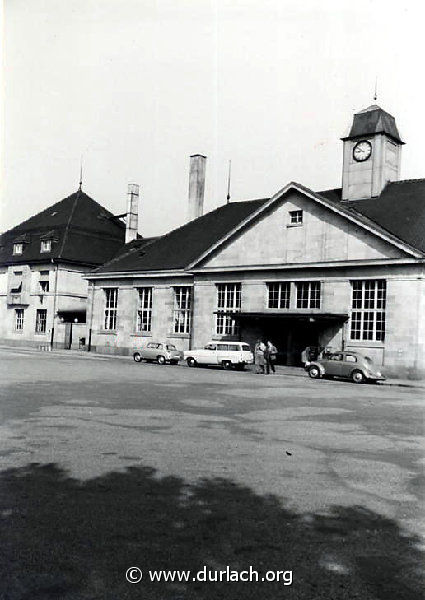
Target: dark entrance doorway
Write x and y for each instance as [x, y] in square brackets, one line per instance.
[291, 333]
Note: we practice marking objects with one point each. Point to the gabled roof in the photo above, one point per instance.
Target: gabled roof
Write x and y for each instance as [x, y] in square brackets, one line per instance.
[373, 120]
[180, 247]
[400, 210]
[82, 231]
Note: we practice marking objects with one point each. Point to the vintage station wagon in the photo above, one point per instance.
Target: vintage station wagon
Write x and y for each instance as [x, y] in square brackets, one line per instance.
[225, 354]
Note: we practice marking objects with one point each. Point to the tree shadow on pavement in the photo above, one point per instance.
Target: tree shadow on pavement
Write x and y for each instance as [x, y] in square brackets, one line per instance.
[71, 539]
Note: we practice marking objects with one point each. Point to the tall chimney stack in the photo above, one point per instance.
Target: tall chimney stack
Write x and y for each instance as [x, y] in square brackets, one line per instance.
[132, 220]
[196, 185]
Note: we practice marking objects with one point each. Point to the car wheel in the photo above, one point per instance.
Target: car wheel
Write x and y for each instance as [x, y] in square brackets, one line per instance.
[191, 362]
[358, 377]
[137, 357]
[161, 360]
[314, 372]
[226, 364]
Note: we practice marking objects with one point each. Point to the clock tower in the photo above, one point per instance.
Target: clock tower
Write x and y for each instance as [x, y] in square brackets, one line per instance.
[372, 154]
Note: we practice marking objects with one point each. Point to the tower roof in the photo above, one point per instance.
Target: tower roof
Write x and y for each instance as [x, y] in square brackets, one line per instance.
[373, 120]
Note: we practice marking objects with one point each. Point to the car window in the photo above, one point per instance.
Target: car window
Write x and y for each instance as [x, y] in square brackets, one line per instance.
[159, 346]
[350, 358]
[246, 348]
[151, 345]
[210, 347]
[337, 356]
[223, 347]
[234, 347]
[171, 347]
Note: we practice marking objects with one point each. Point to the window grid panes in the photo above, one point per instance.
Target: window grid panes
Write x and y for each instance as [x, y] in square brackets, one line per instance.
[19, 319]
[40, 321]
[279, 294]
[228, 301]
[308, 294]
[111, 303]
[144, 310]
[46, 245]
[296, 217]
[368, 310]
[182, 309]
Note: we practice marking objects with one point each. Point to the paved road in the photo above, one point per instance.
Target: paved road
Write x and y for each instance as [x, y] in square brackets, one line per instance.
[108, 464]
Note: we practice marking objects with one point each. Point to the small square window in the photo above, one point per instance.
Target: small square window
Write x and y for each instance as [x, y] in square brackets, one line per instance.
[46, 245]
[296, 217]
[18, 248]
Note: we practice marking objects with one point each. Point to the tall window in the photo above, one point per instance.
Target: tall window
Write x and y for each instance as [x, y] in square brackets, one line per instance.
[144, 310]
[182, 309]
[308, 294]
[40, 320]
[368, 310]
[228, 302]
[19, 319]
[111, 303]
[279, 294]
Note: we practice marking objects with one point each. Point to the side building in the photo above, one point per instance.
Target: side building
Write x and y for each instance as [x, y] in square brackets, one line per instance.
[43, 261]
[341, 268]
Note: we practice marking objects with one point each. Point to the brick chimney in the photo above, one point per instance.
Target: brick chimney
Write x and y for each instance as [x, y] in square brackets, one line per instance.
[132, 220]
[196, 186]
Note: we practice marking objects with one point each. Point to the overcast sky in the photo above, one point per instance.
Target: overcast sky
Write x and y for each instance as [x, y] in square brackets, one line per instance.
[136, 86]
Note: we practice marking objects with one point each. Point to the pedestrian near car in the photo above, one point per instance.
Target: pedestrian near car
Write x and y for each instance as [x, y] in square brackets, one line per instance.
[270, 357]
[260, 348]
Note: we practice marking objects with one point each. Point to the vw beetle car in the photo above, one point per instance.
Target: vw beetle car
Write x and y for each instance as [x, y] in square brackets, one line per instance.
[160, 352]
[225, 354]
[348, 364]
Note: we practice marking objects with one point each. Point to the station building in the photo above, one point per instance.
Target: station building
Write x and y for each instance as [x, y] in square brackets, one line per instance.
[340, 268]
[43, 261]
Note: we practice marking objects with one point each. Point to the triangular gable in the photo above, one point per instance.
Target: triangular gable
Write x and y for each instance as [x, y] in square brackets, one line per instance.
[261, 238]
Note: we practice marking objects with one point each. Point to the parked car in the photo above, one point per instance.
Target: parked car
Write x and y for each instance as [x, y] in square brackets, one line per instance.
[226, 354]
[351, 365]
[160, 352]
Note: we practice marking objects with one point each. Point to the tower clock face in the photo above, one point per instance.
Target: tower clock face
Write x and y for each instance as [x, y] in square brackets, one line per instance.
[362, 150]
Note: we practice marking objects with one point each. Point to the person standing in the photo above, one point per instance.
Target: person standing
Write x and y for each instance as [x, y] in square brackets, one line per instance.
[259, 356]
[270, 357]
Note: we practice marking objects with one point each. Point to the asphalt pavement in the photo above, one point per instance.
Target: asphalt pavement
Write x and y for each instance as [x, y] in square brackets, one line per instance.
[108, 464]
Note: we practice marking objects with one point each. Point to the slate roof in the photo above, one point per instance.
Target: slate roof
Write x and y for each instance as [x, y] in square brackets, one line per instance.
[180, 247]
[373, 120]
[400, 209]
[399, 212]
[82, 232]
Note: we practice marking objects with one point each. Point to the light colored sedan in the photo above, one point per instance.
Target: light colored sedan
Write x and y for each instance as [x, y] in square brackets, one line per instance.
[159, 352]
[347, 364]
[225, 354]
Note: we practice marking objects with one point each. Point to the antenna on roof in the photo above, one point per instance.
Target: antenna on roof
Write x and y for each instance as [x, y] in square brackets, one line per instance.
[375, 96]
[228, 182]
[81, 173]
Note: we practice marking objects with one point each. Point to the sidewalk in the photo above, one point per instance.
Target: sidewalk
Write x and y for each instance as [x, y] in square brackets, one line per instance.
[281, 370]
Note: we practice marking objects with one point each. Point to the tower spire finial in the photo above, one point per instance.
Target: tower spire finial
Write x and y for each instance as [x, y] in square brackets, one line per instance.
[81, 173]
[375, 96]
[228, 182]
